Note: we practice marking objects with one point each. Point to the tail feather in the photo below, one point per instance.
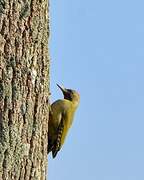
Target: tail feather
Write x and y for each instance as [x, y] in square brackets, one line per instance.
[57, 144]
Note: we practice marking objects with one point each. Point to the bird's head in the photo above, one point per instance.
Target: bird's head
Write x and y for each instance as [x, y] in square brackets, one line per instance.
[70, 94]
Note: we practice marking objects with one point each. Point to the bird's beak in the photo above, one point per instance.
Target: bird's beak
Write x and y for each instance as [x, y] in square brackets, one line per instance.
[62, 89]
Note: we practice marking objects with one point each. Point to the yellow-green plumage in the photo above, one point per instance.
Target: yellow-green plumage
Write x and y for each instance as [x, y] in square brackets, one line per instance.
[61, 117]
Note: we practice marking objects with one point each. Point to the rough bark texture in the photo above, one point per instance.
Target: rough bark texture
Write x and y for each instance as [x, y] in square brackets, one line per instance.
[24, 89]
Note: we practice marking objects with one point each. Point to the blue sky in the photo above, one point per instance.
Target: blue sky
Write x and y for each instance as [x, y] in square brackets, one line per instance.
[97, 48]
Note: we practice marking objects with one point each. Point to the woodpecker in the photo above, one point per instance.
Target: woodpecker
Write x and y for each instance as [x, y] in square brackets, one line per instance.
[61, 117]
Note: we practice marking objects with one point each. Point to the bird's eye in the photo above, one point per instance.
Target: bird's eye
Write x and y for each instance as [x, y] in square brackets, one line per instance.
[69, 90]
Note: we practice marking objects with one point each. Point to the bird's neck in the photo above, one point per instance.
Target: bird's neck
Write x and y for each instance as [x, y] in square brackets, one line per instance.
[75, 103]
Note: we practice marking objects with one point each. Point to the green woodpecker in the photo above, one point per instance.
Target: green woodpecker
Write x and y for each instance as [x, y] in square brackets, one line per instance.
[61, 117]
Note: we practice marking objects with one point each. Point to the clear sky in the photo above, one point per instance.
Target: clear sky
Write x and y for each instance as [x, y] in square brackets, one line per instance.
[97, 48]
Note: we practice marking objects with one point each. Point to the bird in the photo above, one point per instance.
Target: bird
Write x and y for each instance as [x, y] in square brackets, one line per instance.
[60, 119]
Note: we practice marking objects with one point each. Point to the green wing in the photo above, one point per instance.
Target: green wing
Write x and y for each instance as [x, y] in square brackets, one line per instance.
[57, 145]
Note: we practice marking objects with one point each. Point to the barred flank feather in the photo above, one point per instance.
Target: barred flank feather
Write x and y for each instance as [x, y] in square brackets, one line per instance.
[57, 145]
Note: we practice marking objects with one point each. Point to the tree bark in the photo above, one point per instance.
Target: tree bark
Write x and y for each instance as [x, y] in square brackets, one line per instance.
[24, 89]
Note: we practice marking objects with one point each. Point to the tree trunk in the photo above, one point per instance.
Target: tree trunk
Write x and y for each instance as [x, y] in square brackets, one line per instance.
[24, 89]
